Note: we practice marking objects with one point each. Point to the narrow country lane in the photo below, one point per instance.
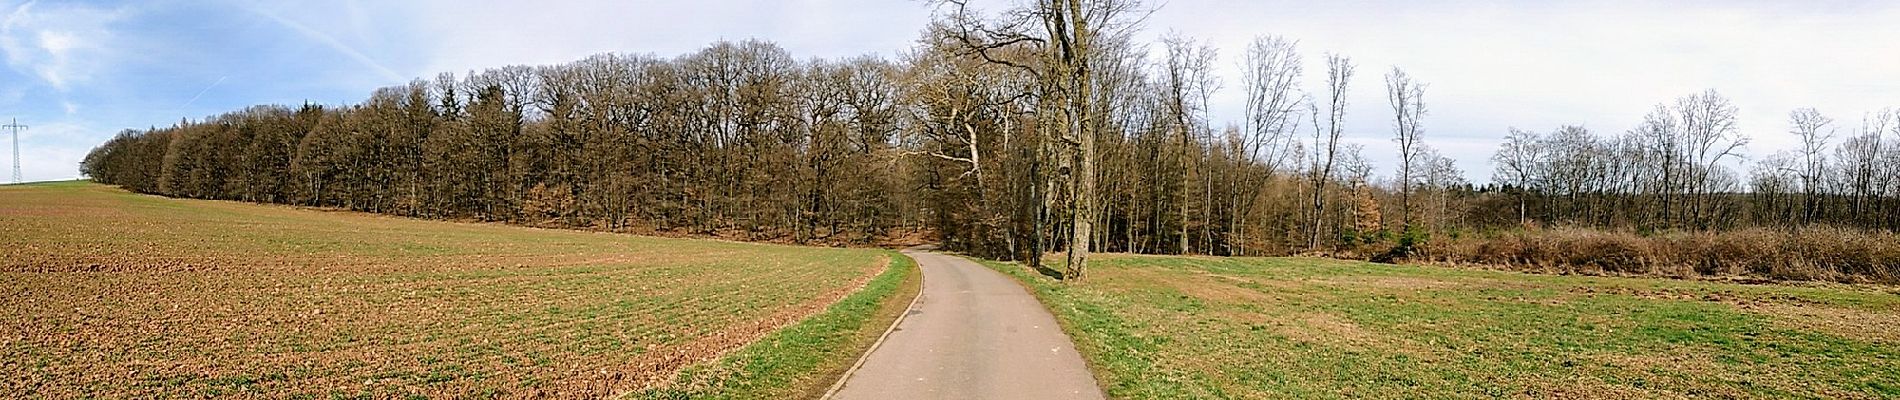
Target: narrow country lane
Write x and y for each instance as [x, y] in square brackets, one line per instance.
[974, 334]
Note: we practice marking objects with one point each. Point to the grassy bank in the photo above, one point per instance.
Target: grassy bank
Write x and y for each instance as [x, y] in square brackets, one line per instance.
[1207, 327]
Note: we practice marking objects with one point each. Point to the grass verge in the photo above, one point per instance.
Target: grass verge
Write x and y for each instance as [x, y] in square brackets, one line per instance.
[1209, 327]
[803, 360]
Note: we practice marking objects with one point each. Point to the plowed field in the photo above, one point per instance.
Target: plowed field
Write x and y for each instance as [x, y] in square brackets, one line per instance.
[113, 294]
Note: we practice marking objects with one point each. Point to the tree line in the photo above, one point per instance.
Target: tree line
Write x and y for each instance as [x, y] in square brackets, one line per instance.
[737, 139]
[1671, 172]
[1043, 127]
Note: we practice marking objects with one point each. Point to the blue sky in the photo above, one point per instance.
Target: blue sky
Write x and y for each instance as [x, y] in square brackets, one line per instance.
[80, 71]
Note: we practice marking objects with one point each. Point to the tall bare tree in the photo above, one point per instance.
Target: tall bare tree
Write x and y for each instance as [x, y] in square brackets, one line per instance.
[1339, 71]
[1186, 83]
[1065, 34]
[1516, 161]
[1709, 129]
[1270, 74]
[1406, 97]
[1812, 127]
[1859, 157]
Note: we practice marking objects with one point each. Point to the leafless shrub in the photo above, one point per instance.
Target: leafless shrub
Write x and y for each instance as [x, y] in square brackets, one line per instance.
[1807, 254]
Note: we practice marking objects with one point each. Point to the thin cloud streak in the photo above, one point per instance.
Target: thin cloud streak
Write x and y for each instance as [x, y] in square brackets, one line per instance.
[201, 93]
[333, 43]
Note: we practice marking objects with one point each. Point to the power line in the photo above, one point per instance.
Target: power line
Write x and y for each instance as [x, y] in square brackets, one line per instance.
[16, 148]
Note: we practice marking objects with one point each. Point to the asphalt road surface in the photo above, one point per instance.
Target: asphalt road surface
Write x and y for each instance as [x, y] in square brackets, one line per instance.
[974, 334]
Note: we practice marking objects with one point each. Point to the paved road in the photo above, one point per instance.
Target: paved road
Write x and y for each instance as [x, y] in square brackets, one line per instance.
[975, 334]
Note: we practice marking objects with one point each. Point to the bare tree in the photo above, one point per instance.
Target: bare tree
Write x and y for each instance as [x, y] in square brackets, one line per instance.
[1891, 177]
[1770, 183]
[1408, 106]
[1516, 160]
[1187, 82]
[1271, 74]
[1658, 144]
[1812, 128]
[1326, 141]
[1356, 173]
[1710, 132]
[1441, 176]
[1066, 35]
[1859, 158]
[1569, 170]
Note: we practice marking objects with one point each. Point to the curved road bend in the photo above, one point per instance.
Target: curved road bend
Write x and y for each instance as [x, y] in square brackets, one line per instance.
[974, 334]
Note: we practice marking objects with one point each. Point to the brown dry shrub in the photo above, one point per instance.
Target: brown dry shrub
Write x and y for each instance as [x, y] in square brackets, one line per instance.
[1720, 254]
[1843, 255]
[1814, 253]
[1568, 250]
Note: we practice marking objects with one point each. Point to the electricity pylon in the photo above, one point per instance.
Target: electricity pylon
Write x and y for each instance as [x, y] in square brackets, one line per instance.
[16, 148]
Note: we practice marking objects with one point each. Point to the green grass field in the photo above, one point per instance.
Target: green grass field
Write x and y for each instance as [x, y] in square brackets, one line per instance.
[1208, 327]
[113, 294]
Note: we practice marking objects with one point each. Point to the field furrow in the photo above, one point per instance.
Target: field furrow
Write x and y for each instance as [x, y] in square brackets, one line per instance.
[114, 294]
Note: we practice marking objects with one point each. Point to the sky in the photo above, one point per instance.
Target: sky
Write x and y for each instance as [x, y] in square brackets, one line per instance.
[78, 72]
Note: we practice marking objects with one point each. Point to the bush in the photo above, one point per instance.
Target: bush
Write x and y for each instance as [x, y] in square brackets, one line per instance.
[1814, 253]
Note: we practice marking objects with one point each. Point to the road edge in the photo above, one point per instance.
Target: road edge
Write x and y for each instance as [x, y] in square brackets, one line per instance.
[835, 386]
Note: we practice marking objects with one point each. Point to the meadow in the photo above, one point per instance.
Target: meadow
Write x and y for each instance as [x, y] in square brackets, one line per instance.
[114, 294]
[1214, 327]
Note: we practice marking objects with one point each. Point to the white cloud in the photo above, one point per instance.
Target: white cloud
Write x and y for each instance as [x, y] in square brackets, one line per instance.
[61, 44]
[58, 43]
[1536, 65]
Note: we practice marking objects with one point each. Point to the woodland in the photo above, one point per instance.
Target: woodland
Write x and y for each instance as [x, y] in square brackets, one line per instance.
[1048, 128]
